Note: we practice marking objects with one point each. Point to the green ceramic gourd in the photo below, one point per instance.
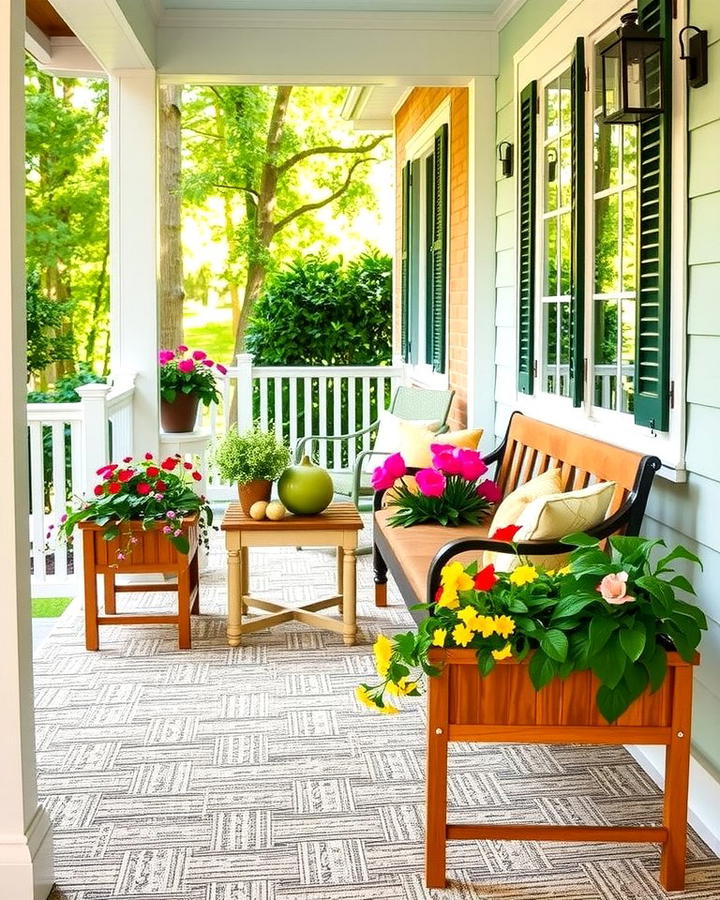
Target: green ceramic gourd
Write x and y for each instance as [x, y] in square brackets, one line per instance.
[305, 489]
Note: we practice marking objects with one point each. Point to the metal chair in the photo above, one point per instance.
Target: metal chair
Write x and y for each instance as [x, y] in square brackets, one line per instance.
[410, 403]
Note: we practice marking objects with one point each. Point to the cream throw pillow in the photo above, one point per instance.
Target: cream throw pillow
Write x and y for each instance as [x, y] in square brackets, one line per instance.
[556, 515]
[389, 437]
[415, 442]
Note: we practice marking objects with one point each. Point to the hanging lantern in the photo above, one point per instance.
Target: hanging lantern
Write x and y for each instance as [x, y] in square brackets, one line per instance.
[632, 71]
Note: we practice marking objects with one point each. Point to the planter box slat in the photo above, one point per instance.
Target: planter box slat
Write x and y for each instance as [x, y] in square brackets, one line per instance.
[505, 708]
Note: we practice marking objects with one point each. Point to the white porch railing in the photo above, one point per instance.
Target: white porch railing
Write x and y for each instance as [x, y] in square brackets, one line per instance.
[295, 401]
[67, 443]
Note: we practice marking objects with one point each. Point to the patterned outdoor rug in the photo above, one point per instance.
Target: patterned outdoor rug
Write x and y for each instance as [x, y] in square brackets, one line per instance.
[253, 774]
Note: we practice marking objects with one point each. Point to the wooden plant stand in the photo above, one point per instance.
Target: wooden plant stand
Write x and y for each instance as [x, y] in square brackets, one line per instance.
[505, 708]
[337, 526]
[152, 554]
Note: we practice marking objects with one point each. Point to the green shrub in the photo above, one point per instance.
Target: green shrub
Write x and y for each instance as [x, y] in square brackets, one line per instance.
[250, 455]
[322, 312]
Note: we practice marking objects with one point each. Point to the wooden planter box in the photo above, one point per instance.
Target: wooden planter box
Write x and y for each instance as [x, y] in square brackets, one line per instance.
[152, 554]
[504, 707]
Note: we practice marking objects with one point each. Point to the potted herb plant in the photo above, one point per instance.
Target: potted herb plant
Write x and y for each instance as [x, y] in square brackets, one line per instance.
[253, 459]
[186, 380]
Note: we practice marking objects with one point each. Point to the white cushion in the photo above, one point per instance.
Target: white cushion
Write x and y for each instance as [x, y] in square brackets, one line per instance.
[389, 437]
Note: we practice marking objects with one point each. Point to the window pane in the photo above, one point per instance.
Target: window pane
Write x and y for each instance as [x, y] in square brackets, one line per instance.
[565, 253]
[629, 153]
[550, 347]
[550, 288]
[606, 245]
[565, 170]
[552, 110]
[606, 343]
[564, 341]
[565, 89]
[628, 355]
[606, 155]
[629, 203]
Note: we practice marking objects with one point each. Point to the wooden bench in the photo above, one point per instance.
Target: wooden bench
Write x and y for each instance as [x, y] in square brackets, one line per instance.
[415, 556]
[504, 707]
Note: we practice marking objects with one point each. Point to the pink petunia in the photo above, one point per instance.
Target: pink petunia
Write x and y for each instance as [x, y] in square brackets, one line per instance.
[489, 490]
[446, 459]
[221, 368]
[199, 354]
[186, 365]
[381, 479]
[164, 357]
[208, 362]
[181, 348]
[472, 465]
[430, 482]
[395, 465]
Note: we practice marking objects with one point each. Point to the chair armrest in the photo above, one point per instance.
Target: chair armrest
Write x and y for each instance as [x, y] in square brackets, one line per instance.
[300, 446]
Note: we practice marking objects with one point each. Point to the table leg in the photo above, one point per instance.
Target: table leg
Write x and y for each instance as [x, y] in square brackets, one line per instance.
[245, 577]
[109, 594]
[340, 577]
[92, 632]
[349, 588]
[234, 625]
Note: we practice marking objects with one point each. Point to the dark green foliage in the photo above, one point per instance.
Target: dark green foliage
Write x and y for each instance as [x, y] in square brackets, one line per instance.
[64, 389]
[320, 312]
[48, 339]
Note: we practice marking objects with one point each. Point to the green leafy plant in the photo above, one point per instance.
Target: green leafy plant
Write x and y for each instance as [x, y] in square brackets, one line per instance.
[250, 456]
[183, 371]
[615, 612]
[160, 494]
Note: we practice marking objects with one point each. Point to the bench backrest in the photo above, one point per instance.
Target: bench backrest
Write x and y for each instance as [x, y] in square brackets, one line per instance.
[532, 447]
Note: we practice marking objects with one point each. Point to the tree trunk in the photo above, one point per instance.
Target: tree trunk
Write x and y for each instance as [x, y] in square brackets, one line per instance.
[172, 293]
[254, 282]
[98, 308]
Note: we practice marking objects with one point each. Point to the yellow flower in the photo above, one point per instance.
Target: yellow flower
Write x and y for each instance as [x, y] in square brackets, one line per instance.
[504, 653]
[504, 626]
[438, 638]
[364, 697]
[566, 570]
[383, 649]
[402, 687]
[550, 572]
[485, 625]
[388, 710]
[462, 635]
[523, 575]
[453, 576]
[469, 616]
[448, 597]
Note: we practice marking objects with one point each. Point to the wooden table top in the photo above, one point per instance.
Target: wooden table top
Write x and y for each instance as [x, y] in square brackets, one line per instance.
[338, 516]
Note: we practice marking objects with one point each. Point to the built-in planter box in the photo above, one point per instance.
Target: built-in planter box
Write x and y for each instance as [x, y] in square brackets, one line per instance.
[152, 554]
[504, 707]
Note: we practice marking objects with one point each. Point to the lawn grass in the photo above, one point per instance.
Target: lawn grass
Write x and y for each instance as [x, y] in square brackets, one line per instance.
[211, 331]
[49, 607]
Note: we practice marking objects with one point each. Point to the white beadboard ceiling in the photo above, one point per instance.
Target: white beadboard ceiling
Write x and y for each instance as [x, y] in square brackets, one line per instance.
[488, 7]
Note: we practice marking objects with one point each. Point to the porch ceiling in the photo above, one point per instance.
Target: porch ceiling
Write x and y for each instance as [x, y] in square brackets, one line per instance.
[490, 7]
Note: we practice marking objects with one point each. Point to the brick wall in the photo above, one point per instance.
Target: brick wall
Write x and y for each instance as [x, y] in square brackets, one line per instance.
[418, 107]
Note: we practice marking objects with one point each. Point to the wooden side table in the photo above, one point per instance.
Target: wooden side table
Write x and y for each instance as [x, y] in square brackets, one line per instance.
[337, 526]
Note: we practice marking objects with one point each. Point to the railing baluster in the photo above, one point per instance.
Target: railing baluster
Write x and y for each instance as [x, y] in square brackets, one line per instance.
[293, 425]
[323, 428]
[366, 420]
[337, 422]
[352, 424]
[279, 410]
[58, 502]
[37, 500]
[263, 403]
[308, 402]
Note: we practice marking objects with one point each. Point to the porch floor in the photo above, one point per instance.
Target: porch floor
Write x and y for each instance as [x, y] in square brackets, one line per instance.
[251, 773]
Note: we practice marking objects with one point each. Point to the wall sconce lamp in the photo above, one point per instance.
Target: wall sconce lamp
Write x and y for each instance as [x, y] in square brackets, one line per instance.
[505, 155]
[552, 161]
[696, 55]
[632, 73]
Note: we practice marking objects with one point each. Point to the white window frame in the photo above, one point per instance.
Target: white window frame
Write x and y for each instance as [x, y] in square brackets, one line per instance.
[543, 53]
[419, 147]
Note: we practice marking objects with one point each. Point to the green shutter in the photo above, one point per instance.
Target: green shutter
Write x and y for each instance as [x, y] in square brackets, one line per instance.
[526, 249]
[405, 266]
[652, 348]
[577, 271]
[438, 252]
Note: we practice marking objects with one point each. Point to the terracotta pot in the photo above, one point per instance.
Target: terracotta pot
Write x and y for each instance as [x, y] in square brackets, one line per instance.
[252, 491]
[181, 414]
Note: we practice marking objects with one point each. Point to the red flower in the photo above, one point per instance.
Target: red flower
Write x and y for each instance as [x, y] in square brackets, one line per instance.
[505, 534]
[127, 459]
[438, 594]
[485, 578]
[187, 465]
[169, 464]
[143, 488]
[114, 487]
[110, 467]
[160, 486]
[152, 471]
[197, 476]
[99, 490]
[125, 475]
[148, 456]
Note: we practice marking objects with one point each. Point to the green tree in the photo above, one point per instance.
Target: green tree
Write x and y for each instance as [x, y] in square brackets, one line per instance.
[275, 156]
[67, 208]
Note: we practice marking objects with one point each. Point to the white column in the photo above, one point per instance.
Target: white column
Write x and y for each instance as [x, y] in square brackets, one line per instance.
[95, 444]
[133, 246]
[25, 837]
[244, 365]
[481, 258]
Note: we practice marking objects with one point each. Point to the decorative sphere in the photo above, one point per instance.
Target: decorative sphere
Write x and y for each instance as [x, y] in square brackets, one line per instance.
[275, 511]
[306, 489]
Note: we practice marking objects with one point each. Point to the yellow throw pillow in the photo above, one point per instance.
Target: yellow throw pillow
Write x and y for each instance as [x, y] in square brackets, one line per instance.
[388, 438]
[415, 442]
[556, 515]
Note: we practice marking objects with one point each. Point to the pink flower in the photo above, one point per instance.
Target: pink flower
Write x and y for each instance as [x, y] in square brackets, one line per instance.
[199, 354]
[446, 459]
[208, 362]
[430, 482]
[386, 475]
[221, 368]
[613, 588]
[127, 459]
[489, 490]
[120, 555]
[171, 514]
[395, 465]
[177, 532]
[166, 529]
[381, 480]
[164, 356]
[186, 365]
[181, 348]
[471, 464]
[63, 518]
